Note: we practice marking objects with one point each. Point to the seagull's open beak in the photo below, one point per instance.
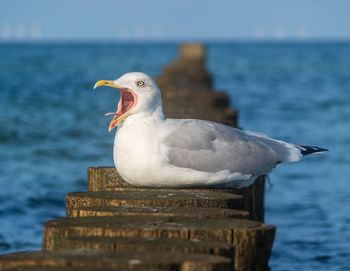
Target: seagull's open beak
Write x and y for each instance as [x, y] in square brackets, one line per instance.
[127, 101]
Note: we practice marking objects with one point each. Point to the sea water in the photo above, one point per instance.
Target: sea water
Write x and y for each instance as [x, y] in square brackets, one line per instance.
[52, 128]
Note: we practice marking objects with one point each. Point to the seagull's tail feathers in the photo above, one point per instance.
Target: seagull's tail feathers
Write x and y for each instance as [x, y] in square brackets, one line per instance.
[306, 150]
[286, 152]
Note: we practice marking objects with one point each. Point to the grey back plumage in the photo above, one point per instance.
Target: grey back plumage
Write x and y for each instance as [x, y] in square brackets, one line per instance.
[212, 147]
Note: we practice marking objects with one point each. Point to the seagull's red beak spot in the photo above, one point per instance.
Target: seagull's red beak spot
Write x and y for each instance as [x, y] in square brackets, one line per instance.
[127, 101]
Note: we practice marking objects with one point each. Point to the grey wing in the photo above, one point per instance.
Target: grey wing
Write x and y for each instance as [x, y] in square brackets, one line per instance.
[212, 147]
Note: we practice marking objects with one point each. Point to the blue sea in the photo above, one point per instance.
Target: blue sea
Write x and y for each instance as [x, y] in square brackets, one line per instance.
[52, 128]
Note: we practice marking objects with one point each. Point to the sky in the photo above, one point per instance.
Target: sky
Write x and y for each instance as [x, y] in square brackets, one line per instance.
[100, 20]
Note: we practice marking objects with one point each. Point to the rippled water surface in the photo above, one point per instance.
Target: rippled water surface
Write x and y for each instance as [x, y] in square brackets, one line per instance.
[52, 128]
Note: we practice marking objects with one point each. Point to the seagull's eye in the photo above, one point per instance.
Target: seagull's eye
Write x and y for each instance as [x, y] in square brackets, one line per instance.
[140, 83]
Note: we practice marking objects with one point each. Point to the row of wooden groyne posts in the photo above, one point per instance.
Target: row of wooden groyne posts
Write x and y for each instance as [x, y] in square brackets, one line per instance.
[114, 226]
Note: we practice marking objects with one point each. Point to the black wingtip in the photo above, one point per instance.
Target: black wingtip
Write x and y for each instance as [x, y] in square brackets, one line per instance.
[305, 150]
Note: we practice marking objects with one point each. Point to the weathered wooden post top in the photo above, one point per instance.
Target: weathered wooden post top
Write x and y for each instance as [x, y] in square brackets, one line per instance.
[114, 226]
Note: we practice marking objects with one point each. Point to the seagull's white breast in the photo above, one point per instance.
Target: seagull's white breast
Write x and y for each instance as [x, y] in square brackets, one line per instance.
[136, 152]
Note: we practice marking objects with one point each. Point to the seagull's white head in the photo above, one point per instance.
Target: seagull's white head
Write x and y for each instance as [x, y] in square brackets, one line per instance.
[138, 93]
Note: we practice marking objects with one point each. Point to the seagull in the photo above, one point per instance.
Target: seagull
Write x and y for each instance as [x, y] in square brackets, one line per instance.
[151, 150]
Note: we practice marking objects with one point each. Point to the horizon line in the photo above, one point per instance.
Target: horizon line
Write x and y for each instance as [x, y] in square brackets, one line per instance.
[178, 40]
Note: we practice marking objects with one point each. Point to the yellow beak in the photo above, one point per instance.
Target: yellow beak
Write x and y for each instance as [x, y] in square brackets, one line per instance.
[107, 83]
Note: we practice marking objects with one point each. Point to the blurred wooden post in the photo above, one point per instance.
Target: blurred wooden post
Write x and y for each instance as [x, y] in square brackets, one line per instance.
[187, 91]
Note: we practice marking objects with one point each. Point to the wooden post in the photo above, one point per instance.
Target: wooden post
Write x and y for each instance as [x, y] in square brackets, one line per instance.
[252, 240]
[140, 245]
[102, 178]
[73, 260]
[155, 198]
[156, 202]
[148, 211]
[108, 179]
